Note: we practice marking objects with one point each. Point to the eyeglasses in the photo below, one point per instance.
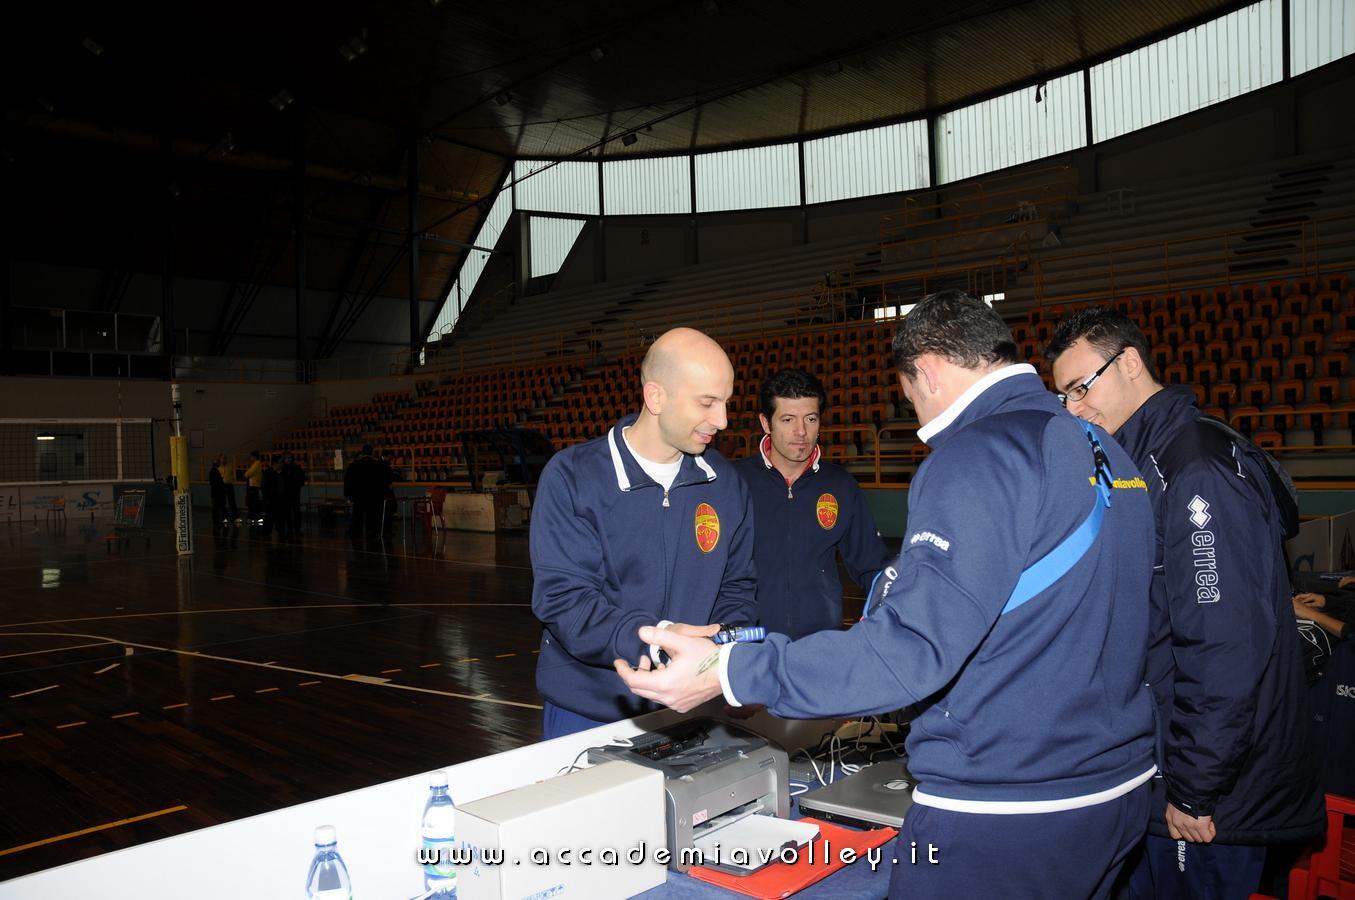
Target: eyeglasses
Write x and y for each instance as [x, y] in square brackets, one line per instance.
[1078, 391]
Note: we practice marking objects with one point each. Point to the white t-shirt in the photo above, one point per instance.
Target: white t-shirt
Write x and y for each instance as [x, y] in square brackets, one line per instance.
[664, 473]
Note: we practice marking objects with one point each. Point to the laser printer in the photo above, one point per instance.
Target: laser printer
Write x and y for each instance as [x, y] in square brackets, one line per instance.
[715, 775]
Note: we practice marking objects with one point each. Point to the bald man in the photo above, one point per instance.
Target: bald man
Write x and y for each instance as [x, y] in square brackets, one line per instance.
[645, 525]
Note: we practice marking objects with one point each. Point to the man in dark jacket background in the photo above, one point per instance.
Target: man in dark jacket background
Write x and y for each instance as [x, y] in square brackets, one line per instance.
[1224, 663]
[808, 511]
[364, 483]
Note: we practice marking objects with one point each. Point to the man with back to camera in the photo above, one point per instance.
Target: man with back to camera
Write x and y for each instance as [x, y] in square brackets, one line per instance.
[364, 483]
[1224, 664]
[806, 508]
[1014, 615]
[646, 524]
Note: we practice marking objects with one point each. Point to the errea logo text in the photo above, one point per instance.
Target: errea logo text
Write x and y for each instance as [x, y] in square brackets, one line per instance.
[927, 537]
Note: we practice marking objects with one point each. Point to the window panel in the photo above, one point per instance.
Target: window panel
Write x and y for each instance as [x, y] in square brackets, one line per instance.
[1208, 64]
[641, 187]
[756, 178]
[563, 187]
[862, 163]
[551, 241]
[1011, 129]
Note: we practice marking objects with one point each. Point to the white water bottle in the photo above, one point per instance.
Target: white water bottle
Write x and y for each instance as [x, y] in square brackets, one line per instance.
[328, 876]
[439, 833]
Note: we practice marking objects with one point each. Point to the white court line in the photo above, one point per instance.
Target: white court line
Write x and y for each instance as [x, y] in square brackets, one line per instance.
[483, 698]
[50, 687]
[107, 668]
[55, 649]
[198, 612]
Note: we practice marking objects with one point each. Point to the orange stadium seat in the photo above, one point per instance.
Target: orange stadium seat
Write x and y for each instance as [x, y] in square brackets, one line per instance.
[1176, 373]
[1238, 310]
[1256, 393]
[1268, 440]
[1266, 368]
[1206, 372]
[1237, 370]
[1300, 366]
[1223, 394]
[1334, 364]
[1289, 391]
[1277, 345]
[1325, 390]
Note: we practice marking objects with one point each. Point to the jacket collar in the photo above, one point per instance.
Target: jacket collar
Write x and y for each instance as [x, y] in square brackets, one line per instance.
[1153, 425]
[982, 398]
[812, 465]
[629, 475]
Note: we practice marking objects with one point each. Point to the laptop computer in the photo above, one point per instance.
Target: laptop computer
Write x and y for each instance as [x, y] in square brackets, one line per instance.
[875, 797]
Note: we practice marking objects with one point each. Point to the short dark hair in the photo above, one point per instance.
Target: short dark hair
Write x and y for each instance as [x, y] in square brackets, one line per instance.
[254, 454]
[1108, 330]
[790, 384]
[956, 327]
[366, 449]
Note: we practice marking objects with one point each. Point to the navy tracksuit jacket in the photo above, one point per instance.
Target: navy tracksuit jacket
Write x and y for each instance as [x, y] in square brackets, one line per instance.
[801, 529]
[1033, 706]
[612, 551]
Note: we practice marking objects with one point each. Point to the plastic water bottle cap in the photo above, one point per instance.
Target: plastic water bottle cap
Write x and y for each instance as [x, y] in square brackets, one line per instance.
[437, 779]
[325, 834]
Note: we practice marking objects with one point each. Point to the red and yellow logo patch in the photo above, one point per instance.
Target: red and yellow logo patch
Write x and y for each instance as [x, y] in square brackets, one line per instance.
[826, 510]
[707, 527]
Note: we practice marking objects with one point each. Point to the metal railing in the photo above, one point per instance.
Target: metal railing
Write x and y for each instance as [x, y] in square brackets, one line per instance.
[985, 197]
[1202, 260]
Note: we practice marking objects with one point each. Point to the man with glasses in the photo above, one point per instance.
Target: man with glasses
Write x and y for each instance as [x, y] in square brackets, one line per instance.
[1237, 774]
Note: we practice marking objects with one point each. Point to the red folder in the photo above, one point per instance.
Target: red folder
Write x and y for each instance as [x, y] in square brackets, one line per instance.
[816, 862]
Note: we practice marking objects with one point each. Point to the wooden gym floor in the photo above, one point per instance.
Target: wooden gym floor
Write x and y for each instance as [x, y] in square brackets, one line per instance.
[145, 696]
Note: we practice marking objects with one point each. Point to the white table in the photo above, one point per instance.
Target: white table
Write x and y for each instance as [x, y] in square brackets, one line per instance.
[266, 856]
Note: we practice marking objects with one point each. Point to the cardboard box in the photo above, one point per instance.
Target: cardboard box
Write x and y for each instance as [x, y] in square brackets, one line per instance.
[593, 833]
[469, 512]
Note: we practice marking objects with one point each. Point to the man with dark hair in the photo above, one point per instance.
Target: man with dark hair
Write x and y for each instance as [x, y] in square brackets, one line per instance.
[293, 479]
[808, 511]
[1013, 617]
[219, 488]
[1224, 664]
[365, 483]
[270, 494]
[253, 482]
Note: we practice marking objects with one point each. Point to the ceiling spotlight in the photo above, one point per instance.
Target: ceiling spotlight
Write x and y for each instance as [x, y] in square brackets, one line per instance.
[355, 46]
[630, 138]
[504, 99]
[1038, 88]
[223, 147]
[281, 100]
[93, 46]
[46, 103]
[597, 54]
